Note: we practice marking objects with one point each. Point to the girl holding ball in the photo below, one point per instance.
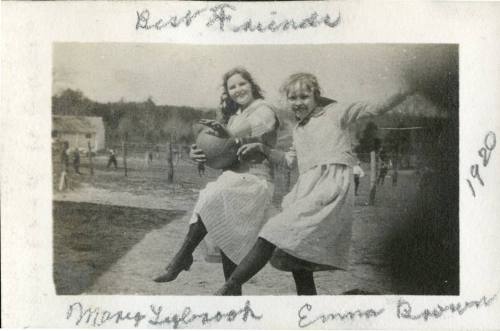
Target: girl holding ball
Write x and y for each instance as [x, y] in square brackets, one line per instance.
[232, 210]
[313, 232]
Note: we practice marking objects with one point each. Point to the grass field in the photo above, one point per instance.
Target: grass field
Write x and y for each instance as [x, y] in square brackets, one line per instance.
[116, 246]
[89, 238]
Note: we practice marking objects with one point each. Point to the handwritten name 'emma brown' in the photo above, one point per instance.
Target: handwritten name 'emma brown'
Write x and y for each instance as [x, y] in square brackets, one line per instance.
[308, 316]
[221, 17]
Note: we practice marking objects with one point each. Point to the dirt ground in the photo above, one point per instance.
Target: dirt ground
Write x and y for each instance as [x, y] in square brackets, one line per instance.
[113, 234]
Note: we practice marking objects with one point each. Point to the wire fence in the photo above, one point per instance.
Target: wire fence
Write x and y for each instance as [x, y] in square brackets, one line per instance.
[160, 160]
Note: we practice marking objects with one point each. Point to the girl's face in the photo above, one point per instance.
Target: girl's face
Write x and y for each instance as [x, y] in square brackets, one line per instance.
[240, 90]
[301, 101]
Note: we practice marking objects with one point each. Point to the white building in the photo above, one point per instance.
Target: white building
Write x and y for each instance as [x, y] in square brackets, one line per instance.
[78, 130]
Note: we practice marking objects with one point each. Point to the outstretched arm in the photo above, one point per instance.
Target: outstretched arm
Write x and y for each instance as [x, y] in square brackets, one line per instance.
[393, 101]
[360, 110]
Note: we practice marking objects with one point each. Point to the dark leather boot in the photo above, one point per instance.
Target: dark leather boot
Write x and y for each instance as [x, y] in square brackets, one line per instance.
[178, 264]
[184, 257]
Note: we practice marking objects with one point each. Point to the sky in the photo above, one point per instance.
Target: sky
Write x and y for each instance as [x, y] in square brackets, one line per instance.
[191, 75]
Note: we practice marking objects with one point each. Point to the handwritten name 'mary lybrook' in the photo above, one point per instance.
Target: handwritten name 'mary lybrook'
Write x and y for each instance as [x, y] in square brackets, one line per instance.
[97, 317]
[222, 18]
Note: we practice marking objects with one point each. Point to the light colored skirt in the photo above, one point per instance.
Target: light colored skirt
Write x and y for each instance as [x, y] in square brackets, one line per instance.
[233, 209]
[316, 221]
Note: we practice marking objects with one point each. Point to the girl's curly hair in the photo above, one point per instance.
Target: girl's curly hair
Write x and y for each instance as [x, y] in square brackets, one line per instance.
[228, 106]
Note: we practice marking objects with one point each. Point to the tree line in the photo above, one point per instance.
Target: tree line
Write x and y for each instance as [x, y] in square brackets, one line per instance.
[148, 123]
[143, 122]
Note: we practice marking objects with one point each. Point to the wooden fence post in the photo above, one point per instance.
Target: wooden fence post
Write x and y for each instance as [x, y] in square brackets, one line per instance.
[288, 178]
[91, 162]
[124, 152]
[395, 171]
[373, 177]
[170, 162]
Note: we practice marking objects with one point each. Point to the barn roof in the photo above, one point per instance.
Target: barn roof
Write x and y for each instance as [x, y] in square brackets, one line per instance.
[77, 124]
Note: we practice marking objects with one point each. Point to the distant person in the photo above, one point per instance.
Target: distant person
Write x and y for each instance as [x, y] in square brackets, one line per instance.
[64, 158]
[384, 169]
[76, 161]
[394, 174]
[148, 159]
[146, 162]
[157, 152]
[112, 159]
[201, 169]
[358, 173]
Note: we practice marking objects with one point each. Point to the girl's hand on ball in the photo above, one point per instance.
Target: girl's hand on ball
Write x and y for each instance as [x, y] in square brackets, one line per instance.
[197, 155]
[211, 124]
[216, 128]
[250, 148]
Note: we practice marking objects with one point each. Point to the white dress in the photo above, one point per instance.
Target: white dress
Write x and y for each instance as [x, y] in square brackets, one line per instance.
[235, 206]
[316, 221]
[315, 224]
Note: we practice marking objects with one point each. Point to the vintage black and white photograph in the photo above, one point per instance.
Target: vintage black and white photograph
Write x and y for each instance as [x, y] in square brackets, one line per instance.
[269, 170]
[250, 165]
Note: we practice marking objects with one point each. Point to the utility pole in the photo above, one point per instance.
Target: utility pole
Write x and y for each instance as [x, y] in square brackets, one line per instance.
[124, 151]
[170, 159]
[373, 177]
[91, 163]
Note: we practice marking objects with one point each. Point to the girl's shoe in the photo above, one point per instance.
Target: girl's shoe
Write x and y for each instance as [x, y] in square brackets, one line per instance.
[229, 289]
[174, 269]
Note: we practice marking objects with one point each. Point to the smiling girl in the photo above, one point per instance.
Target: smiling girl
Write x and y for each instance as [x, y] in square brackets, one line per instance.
[233, 209]
[313, 232]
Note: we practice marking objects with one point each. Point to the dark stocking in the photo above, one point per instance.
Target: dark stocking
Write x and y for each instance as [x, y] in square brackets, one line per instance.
[195, 235]
[304, 282]
[253, 262]
[228, 267]
[184, 257]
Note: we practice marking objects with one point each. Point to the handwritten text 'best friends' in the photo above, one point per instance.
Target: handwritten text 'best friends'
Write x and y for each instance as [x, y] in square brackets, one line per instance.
[223, 18]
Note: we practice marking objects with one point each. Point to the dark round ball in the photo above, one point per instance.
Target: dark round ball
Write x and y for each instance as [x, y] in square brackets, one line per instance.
[220, 152]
